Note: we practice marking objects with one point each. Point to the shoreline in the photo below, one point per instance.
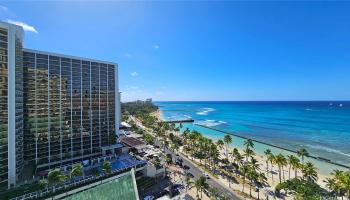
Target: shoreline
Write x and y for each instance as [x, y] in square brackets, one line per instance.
[322, 165]
[323, 168]
[275, 146]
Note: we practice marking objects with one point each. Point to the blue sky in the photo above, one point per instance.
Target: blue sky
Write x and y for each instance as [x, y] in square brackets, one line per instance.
[202, 50]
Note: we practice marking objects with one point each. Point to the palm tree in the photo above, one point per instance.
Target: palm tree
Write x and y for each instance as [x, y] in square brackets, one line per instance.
[43, 183]
[293, 162]
[201, 184]
[337, 174]
[202, 144]
[248, 153]
[309, 172]
[213, 153]
[185, 139]
[254, 164]
[106, 167]
[251, 175]
[186, 131]
[227, 141]
[207, 149]
[331, 184]
[271, 159]
[77, 170]
[267, 153]
[338, 177]
[189, 182]
[248, 146]
[172, 127]
[168, 159]
[345, 183]
[214, 193]
[54, 178]
[237, 158]
[244, 170]
[148, 138]
[220, 143]
[262, 179]
[194, 137]
[302, 153]
[281, 161]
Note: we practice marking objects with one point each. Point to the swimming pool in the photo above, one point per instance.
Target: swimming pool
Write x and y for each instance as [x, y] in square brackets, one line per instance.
[125, 161]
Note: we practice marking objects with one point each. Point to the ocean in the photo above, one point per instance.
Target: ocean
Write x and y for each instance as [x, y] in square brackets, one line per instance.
[323, 128]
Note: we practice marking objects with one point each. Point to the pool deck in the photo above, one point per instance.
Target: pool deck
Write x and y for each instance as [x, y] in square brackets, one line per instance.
[127, 161]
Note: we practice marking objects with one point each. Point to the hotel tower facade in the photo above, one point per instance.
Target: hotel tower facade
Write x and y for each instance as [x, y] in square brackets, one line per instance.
[54, 109]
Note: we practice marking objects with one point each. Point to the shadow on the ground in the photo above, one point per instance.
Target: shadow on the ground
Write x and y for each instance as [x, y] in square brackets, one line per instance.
[157, 188]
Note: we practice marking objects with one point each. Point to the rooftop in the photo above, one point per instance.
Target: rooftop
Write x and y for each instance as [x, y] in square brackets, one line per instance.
[123, 187]
[132, 142]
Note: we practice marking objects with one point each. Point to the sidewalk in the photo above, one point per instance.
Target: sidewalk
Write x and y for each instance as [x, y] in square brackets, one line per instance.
[212, 177]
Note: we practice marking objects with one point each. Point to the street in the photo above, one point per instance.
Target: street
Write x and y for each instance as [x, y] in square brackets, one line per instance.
[197, 173]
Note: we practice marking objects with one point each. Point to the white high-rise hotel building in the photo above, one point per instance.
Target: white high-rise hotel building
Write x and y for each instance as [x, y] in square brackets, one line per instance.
[54, 109]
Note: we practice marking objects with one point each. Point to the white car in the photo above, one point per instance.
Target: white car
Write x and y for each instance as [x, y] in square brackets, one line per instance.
[148, 198]
[206, 175]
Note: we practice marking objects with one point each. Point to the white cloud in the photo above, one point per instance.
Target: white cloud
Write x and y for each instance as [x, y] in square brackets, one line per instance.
[25, 26]
[156, 46]
[134, 74]
[128, 55]
[4, 8]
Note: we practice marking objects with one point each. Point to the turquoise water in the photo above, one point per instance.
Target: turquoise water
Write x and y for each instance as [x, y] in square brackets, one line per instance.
[323, 128]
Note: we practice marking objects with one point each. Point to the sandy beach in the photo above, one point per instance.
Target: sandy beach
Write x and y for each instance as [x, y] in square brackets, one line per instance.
[272, 181]
[261, 158]
[157, 114]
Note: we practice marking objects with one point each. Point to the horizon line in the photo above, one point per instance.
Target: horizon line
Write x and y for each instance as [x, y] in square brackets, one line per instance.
[243, 101]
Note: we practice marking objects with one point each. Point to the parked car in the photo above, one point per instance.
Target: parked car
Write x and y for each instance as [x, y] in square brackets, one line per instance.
[179, 161]
[190, 175]
[186, 167]
[149, 197]
[161, 194]
[178, 186]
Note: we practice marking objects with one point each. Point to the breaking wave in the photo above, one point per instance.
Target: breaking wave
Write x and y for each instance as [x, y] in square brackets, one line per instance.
[205, 111]
[210, 123]
[330, 150]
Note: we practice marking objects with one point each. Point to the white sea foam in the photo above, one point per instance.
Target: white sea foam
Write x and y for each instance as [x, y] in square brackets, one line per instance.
[205, 111]
[210, 123]
[209, 109]
[202, 113]
[187, 116]
[330, 150]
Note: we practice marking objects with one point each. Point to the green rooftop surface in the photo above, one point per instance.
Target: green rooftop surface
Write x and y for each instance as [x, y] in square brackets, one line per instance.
[120, 188]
